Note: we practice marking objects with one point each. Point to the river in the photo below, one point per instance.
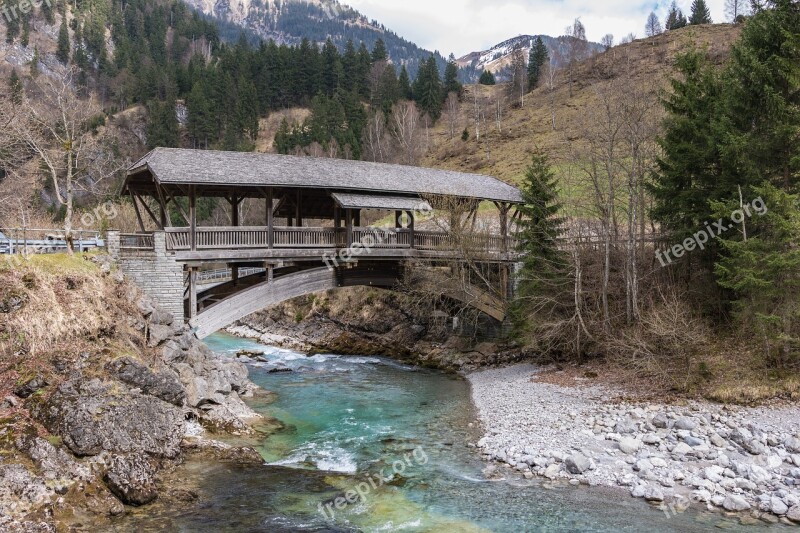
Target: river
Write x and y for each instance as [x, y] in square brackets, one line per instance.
[393, 440]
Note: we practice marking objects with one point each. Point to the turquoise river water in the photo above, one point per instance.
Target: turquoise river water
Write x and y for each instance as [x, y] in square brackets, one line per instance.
[392, 439]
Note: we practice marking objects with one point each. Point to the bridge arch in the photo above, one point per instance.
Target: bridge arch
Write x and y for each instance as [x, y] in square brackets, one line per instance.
[259, 296]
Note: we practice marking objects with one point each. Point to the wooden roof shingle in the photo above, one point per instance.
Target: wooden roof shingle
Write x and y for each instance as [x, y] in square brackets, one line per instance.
[174, 166]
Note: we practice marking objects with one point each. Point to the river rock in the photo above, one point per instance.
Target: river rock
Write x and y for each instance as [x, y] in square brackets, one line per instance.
[792, 445]
[661, 421]
[163, 385]
[552, 471]
[735, 503]
[794, 513]
[160, 317]
[577, 463]
[625, 426]
[131, 478]
[629, 445]
[778, 507]
[653, 494]
[718, 441]
[681, 449]
[20, 490]
[92, 416]
[685, 423]
[55, 465]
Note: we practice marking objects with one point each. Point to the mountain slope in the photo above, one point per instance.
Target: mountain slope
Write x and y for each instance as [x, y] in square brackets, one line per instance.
[504, 151]
[290, 21]
[498, 58]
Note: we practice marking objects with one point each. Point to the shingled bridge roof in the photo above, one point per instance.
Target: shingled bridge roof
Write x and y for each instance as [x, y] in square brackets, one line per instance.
[216, 170]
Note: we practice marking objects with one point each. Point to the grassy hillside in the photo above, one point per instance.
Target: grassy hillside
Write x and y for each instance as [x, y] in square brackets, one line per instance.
[504, 152]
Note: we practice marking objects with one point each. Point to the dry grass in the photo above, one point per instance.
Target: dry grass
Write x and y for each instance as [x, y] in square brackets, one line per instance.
[644, 61]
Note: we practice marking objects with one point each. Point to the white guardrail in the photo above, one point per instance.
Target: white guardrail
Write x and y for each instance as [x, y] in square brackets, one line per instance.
[46, 241]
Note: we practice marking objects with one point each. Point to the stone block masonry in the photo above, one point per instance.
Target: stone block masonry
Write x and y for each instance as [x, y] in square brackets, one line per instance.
[154, 271]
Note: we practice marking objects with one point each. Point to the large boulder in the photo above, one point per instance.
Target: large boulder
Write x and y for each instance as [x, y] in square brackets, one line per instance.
[93, 416]
[131, 478]
[163, 385]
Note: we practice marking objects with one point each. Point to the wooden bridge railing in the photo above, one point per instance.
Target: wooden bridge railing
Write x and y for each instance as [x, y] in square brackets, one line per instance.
[258, 237]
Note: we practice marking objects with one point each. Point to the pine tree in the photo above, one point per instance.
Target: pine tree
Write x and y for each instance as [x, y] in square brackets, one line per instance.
[363, 65]
[379, 52]
[349, 66]
[761, 264]
[34, 64]
[162, 128]
[689, 168]
[700, 13]
[332, 70]
[428, 90]
[15, 87]
[200, 123]
[12, 29]
[63, 51]
[487, 78]
[47, 12]
[543, 278]
[675, 19]
[283, 138]
[404, 84]
[538, 58]
[451, 83]
[26, 30]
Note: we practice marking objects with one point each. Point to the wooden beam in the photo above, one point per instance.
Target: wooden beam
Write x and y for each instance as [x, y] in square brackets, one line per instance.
[349, 222]
[180, 209]
[192, 293]
[270, 220]
[151, 214]
[193, 216]
[134, 198]
[297, 213]
[165, 218]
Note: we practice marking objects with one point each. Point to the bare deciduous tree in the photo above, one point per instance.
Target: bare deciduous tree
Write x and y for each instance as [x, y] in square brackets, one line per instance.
[737, 8]
[377, 143]
[519, 75]
[55, 128]
[406, 128]
[653, 26]
[577, 47]
[607, 41]
[452, 113]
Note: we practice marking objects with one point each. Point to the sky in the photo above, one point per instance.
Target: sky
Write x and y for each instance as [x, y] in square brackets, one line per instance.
[463, 26]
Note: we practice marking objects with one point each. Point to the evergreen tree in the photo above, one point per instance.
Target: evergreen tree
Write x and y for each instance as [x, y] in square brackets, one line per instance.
[26, 30]
[379, 52]
[15, 87]
[700, 13]
[283, 138]
[363, 65]
[332, 70]
[404, 84]
[451, 83]
[63, 51]
[536, 61]
[12, 29]
[675, 19]
[200, 124]
[689, 168]
[428, 90]
[487, 78]
[162, 128]
[34, 64]
[388, 91]
[349, 66]
[543, 278]
[47, 12]
[761, 264]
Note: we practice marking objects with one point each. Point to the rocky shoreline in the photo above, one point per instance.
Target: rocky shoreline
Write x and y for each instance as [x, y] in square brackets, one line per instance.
[732, 459]
[82, 439]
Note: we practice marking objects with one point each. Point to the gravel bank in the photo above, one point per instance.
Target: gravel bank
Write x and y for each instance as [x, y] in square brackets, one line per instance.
[722, 457]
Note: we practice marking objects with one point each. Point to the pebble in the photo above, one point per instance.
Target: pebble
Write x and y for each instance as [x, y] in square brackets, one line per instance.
[735, 458]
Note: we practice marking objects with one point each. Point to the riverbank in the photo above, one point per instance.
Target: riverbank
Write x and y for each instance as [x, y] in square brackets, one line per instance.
[368, 322]
[563, 426]
[101, 395]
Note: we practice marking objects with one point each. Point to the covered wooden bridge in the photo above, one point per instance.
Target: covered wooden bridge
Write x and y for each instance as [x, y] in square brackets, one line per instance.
[300, 225]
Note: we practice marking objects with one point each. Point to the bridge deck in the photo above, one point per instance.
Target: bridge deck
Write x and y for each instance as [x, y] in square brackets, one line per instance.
[247, 244]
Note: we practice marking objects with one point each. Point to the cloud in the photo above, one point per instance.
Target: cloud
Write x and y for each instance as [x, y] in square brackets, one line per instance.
[463, 26]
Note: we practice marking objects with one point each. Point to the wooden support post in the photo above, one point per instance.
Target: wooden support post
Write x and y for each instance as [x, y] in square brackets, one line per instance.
[297, 213]
[357, 218]
[411, 227]
[349, 222]
[337, 217]
[270, 220]
[135, 200]
[270, 272]
[235, 219]
[504, 209]
[192, 292]
[193, 216]
[235, 274]
[398, 219]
